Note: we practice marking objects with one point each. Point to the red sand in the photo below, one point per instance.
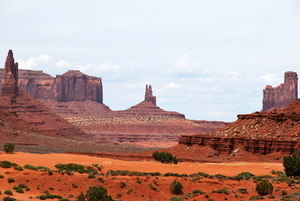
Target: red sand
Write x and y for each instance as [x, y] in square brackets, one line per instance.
[62, 184]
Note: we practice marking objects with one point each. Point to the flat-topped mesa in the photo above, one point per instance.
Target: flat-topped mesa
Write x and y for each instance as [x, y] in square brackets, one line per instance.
[76, 86]
[282, 95]
[149, 95]
[10, 83]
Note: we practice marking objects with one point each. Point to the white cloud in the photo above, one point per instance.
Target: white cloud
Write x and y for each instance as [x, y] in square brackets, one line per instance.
[269, 77]
[171, 85]
[63, 63]
[233, 73]
[33, 62]
[183, 66]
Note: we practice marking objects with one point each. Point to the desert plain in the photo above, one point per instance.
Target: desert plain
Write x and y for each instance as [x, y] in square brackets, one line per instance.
[149, 187]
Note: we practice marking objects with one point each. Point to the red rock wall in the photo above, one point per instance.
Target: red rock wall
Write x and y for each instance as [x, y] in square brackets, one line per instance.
[228, 145]
[71, 86]
[282, 95]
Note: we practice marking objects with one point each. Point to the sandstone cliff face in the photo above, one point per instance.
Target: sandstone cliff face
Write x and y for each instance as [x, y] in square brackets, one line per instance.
[26, 112]
[71, 86]
[282, 95]
[260, 132]
[149, 95]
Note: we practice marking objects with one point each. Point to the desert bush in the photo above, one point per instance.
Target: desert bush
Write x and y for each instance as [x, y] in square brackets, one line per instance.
[295, 194]
[283, 193]
[9, 148]
[10, 180]
[94, 193]
[7, 164]
[292, 164]
[164, 157]
[153, 187]
[138, 181]
[22, 185]
[30, 167]
[1, 176]
[246, 175]
[19, 190]
[264, 188]
[19, 168]
[176, 187]
[243, 190]
[220, 176]
[9, 199]
[43, 168]
[198, 192]
[129, 191]
[73, 167]
[91, 176]
[101, 179]
[175, 198]
[8, 192]
[74, 185]
[123, 184]
[222, 191]
[290, 182]
[64, 199]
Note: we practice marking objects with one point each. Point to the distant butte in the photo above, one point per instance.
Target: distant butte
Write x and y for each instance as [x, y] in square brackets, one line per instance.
[22, 110]
[282, 95]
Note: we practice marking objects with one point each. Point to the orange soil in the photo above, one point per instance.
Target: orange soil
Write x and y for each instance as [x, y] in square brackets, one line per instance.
[62, 184]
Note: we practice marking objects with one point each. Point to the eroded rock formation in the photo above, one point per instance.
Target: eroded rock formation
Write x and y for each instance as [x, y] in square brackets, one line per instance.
[70, 86]
[282, 95]
[10, 84]
[149, 95]
[146, 108]
[259, 132]
[27, 112]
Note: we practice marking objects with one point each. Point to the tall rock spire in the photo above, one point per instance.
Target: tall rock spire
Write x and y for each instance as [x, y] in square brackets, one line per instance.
[10, 84]
[282, 95]
[149, 96]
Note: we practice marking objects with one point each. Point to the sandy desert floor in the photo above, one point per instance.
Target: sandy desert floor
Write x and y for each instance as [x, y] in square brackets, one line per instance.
[58, 184]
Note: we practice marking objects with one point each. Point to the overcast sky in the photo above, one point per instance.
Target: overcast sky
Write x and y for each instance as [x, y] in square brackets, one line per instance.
[206, 59]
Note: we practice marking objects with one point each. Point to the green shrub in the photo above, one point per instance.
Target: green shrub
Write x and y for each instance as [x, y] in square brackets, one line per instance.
[243, 190]
[94, 193]
[73, 167]
[22, 185]
[138, 181]
[7, 164]
[164, 157]
[246, 175]
[10, 180]
[9, 199]
[175, 198]
[264, 188]
[19, 168]
[101, 179]
[9, 148]
[123, 184]
[292, 164]
[176, 187]
[64, 199]
[1, 176]
[198, 192]
[42, 197]
[30, 167]
[19, 190]
[74, 185]
[222, 191]
[8, 192]
[91, 176]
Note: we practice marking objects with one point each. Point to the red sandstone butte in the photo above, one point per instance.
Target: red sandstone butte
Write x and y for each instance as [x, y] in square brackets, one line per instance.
[25, 111]
[282, 95]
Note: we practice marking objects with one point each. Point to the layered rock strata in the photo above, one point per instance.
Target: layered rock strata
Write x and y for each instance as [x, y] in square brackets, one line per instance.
[70, 86]
[282, 95]
[23, 109]
[259, 132]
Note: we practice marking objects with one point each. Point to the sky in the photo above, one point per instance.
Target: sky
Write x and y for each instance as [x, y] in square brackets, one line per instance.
[209, 60]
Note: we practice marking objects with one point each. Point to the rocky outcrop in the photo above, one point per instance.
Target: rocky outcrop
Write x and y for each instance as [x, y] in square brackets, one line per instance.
[70, 86]
[76, 86]
[23, 110]
[282, 95]
[149, 95]
[146, 108]
[259, 132]
[10, 84]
